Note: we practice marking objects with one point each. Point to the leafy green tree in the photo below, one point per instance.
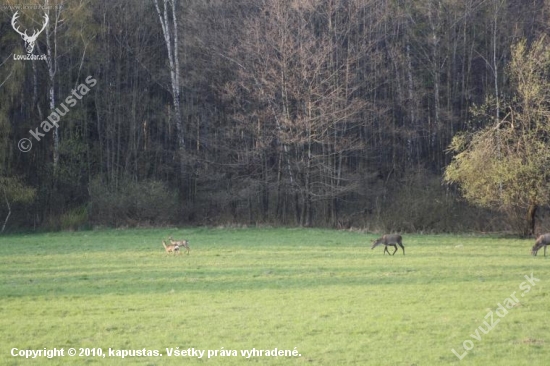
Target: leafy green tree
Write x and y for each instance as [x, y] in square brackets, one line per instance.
[505, 165]
[13, 190]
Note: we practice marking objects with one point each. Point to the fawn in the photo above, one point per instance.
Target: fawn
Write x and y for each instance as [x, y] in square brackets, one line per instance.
[173, 248]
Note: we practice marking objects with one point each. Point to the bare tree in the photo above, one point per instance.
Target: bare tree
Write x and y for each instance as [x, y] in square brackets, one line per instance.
[168, 20]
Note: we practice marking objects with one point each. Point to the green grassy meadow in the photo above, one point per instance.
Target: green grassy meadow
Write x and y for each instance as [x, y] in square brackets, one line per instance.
[323, 293]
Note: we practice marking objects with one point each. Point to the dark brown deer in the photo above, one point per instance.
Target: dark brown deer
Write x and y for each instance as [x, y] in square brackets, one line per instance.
[389, 240]
[542, 241]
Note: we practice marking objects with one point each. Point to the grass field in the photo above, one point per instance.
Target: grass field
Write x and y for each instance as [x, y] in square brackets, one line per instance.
[323, 293]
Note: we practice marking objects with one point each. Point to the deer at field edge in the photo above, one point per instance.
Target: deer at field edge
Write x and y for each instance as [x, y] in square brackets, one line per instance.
[542, 241]
[389, 240]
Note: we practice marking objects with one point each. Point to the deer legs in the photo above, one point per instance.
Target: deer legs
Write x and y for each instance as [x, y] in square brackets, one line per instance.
[402, 247]
[386, 249]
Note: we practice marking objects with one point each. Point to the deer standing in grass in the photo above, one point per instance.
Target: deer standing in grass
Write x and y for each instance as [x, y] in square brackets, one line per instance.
[173, 248]
[389, 240]
[180, 243]
[542, 241]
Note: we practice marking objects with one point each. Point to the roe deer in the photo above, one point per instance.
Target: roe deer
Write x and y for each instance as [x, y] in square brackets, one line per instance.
[542, 241]
[389, 240]
[180, 243]
[174, 248]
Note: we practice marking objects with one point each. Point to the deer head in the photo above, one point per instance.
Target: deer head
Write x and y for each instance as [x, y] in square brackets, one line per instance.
[29, 40]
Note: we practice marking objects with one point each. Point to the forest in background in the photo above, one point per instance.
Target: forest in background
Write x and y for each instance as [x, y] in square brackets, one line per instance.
[281, 112]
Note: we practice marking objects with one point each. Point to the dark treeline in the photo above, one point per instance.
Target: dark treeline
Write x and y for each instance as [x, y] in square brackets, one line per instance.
[292, 112]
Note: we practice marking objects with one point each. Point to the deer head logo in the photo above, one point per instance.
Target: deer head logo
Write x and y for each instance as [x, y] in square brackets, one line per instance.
[29, 40]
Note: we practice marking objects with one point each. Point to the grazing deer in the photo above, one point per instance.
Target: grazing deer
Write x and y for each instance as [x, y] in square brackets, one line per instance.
[542, 241]
[180, 243]
[389, 240]
[173, 248]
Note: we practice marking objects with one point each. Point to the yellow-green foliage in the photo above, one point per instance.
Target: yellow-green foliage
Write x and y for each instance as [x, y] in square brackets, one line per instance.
[15, 191]
[506, 163]
[74, 219]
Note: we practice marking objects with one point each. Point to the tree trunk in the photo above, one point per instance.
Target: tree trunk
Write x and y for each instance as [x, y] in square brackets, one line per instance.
[52, 67]
[9, 210]
[531, 220]
[171, 32]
